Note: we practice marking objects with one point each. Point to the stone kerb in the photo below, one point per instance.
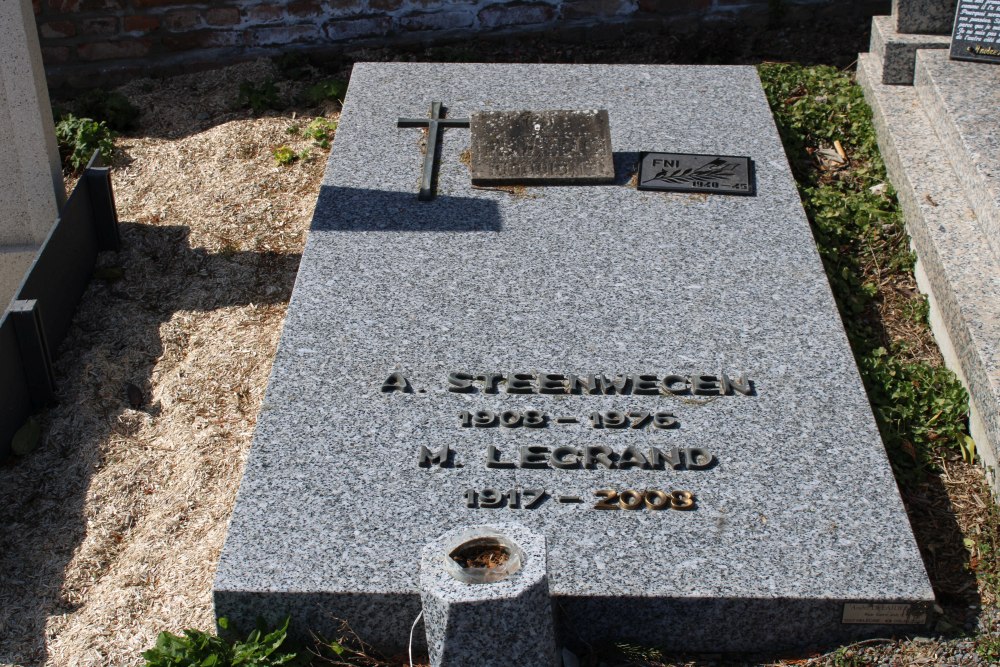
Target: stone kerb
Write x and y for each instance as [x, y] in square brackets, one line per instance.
[31, 185]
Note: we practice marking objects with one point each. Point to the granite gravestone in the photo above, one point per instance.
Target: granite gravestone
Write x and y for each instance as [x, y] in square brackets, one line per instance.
[976, 34]
[654, 387]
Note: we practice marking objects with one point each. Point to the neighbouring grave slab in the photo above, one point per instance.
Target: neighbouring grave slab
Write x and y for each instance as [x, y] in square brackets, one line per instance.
[531, 355]
[924, 16]
[960, 98]
[897, 51]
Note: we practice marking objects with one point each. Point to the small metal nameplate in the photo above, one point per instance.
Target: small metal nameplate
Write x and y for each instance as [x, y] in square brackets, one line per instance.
[690, 172]
[541, 147]
[884, 614]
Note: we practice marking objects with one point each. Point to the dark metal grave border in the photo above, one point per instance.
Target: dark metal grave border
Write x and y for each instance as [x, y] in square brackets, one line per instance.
[42, 310]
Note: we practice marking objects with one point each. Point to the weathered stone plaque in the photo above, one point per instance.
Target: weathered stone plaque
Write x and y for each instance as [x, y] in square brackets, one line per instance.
[687, 172]
[656, 391]
[539, 147]
[976, 34]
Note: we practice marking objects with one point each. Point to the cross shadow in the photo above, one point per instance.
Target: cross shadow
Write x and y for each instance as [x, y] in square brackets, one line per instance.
[358, 209]
[114, 339]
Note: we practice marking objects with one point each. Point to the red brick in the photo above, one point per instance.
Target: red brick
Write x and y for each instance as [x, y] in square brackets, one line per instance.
[286, 34]
[305, 8]
[435, 21]
[673, 6]
[498, 16]
[105, 26]
[163, 3]
[223, 16]
[131, 48]
[349, 28]
[344, 5]
[55, 55]
[265, 13]
[57, 29]
[184, 19]
[573, 9]
[202, 39]
[70, 6]
[141, 23]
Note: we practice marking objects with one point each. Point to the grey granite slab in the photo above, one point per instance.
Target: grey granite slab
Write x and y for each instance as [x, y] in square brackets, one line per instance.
[798, 514]
[897, 51]
[961, 99]
[933, 17]
[957, 267]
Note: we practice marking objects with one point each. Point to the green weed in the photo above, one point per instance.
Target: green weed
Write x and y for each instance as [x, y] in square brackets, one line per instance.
[111, 107]
[285, 156]
[321, 131]
[330, 90]
[200, 649]
[921, 409]
[259, 97]
[78, 138]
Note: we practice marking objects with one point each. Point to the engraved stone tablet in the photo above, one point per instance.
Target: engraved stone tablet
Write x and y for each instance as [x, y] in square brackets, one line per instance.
[535, 147]
[687, 172]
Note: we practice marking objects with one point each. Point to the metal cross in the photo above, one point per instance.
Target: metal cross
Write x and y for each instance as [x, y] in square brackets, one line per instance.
[433, 125]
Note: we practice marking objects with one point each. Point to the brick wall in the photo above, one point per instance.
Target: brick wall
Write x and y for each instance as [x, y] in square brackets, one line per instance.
[84, 41]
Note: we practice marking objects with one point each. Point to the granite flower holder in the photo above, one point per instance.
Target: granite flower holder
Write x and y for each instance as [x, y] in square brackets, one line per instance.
[496, 617]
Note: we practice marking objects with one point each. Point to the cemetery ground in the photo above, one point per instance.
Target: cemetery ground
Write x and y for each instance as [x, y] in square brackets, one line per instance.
[114, 523]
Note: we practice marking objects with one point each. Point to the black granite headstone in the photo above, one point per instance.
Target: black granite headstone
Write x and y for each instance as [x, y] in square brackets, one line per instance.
[976, 35]
[536, 147]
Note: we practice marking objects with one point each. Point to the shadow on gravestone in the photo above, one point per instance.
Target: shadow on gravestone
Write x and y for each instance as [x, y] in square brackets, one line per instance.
[114, 339]
[357, 210]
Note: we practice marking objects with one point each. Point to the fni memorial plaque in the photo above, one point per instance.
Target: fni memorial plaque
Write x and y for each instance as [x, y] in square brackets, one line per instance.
[658, 388]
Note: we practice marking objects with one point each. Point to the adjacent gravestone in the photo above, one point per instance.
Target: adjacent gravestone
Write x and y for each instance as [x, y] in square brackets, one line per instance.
[31, 183]
[654, 384]
[976, 35]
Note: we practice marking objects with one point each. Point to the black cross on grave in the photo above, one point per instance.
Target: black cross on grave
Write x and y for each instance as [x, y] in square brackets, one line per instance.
[434, 124]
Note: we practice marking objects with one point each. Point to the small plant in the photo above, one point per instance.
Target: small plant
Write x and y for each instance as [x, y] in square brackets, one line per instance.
[293, 65]
[78, 138]
[200, 649]
[321, 131]
[330, 90]
[113, 108]
[285, 156]
[259, 97]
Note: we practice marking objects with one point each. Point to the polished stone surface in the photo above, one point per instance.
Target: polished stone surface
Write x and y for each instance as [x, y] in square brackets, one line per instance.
[541, 147]
[957, 266]
[961, 99]
[796, 511]
[897, 51]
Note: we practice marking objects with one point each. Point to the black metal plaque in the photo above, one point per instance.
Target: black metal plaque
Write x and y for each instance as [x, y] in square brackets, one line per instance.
[541, 147]
[976, 34]
[690, 172]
